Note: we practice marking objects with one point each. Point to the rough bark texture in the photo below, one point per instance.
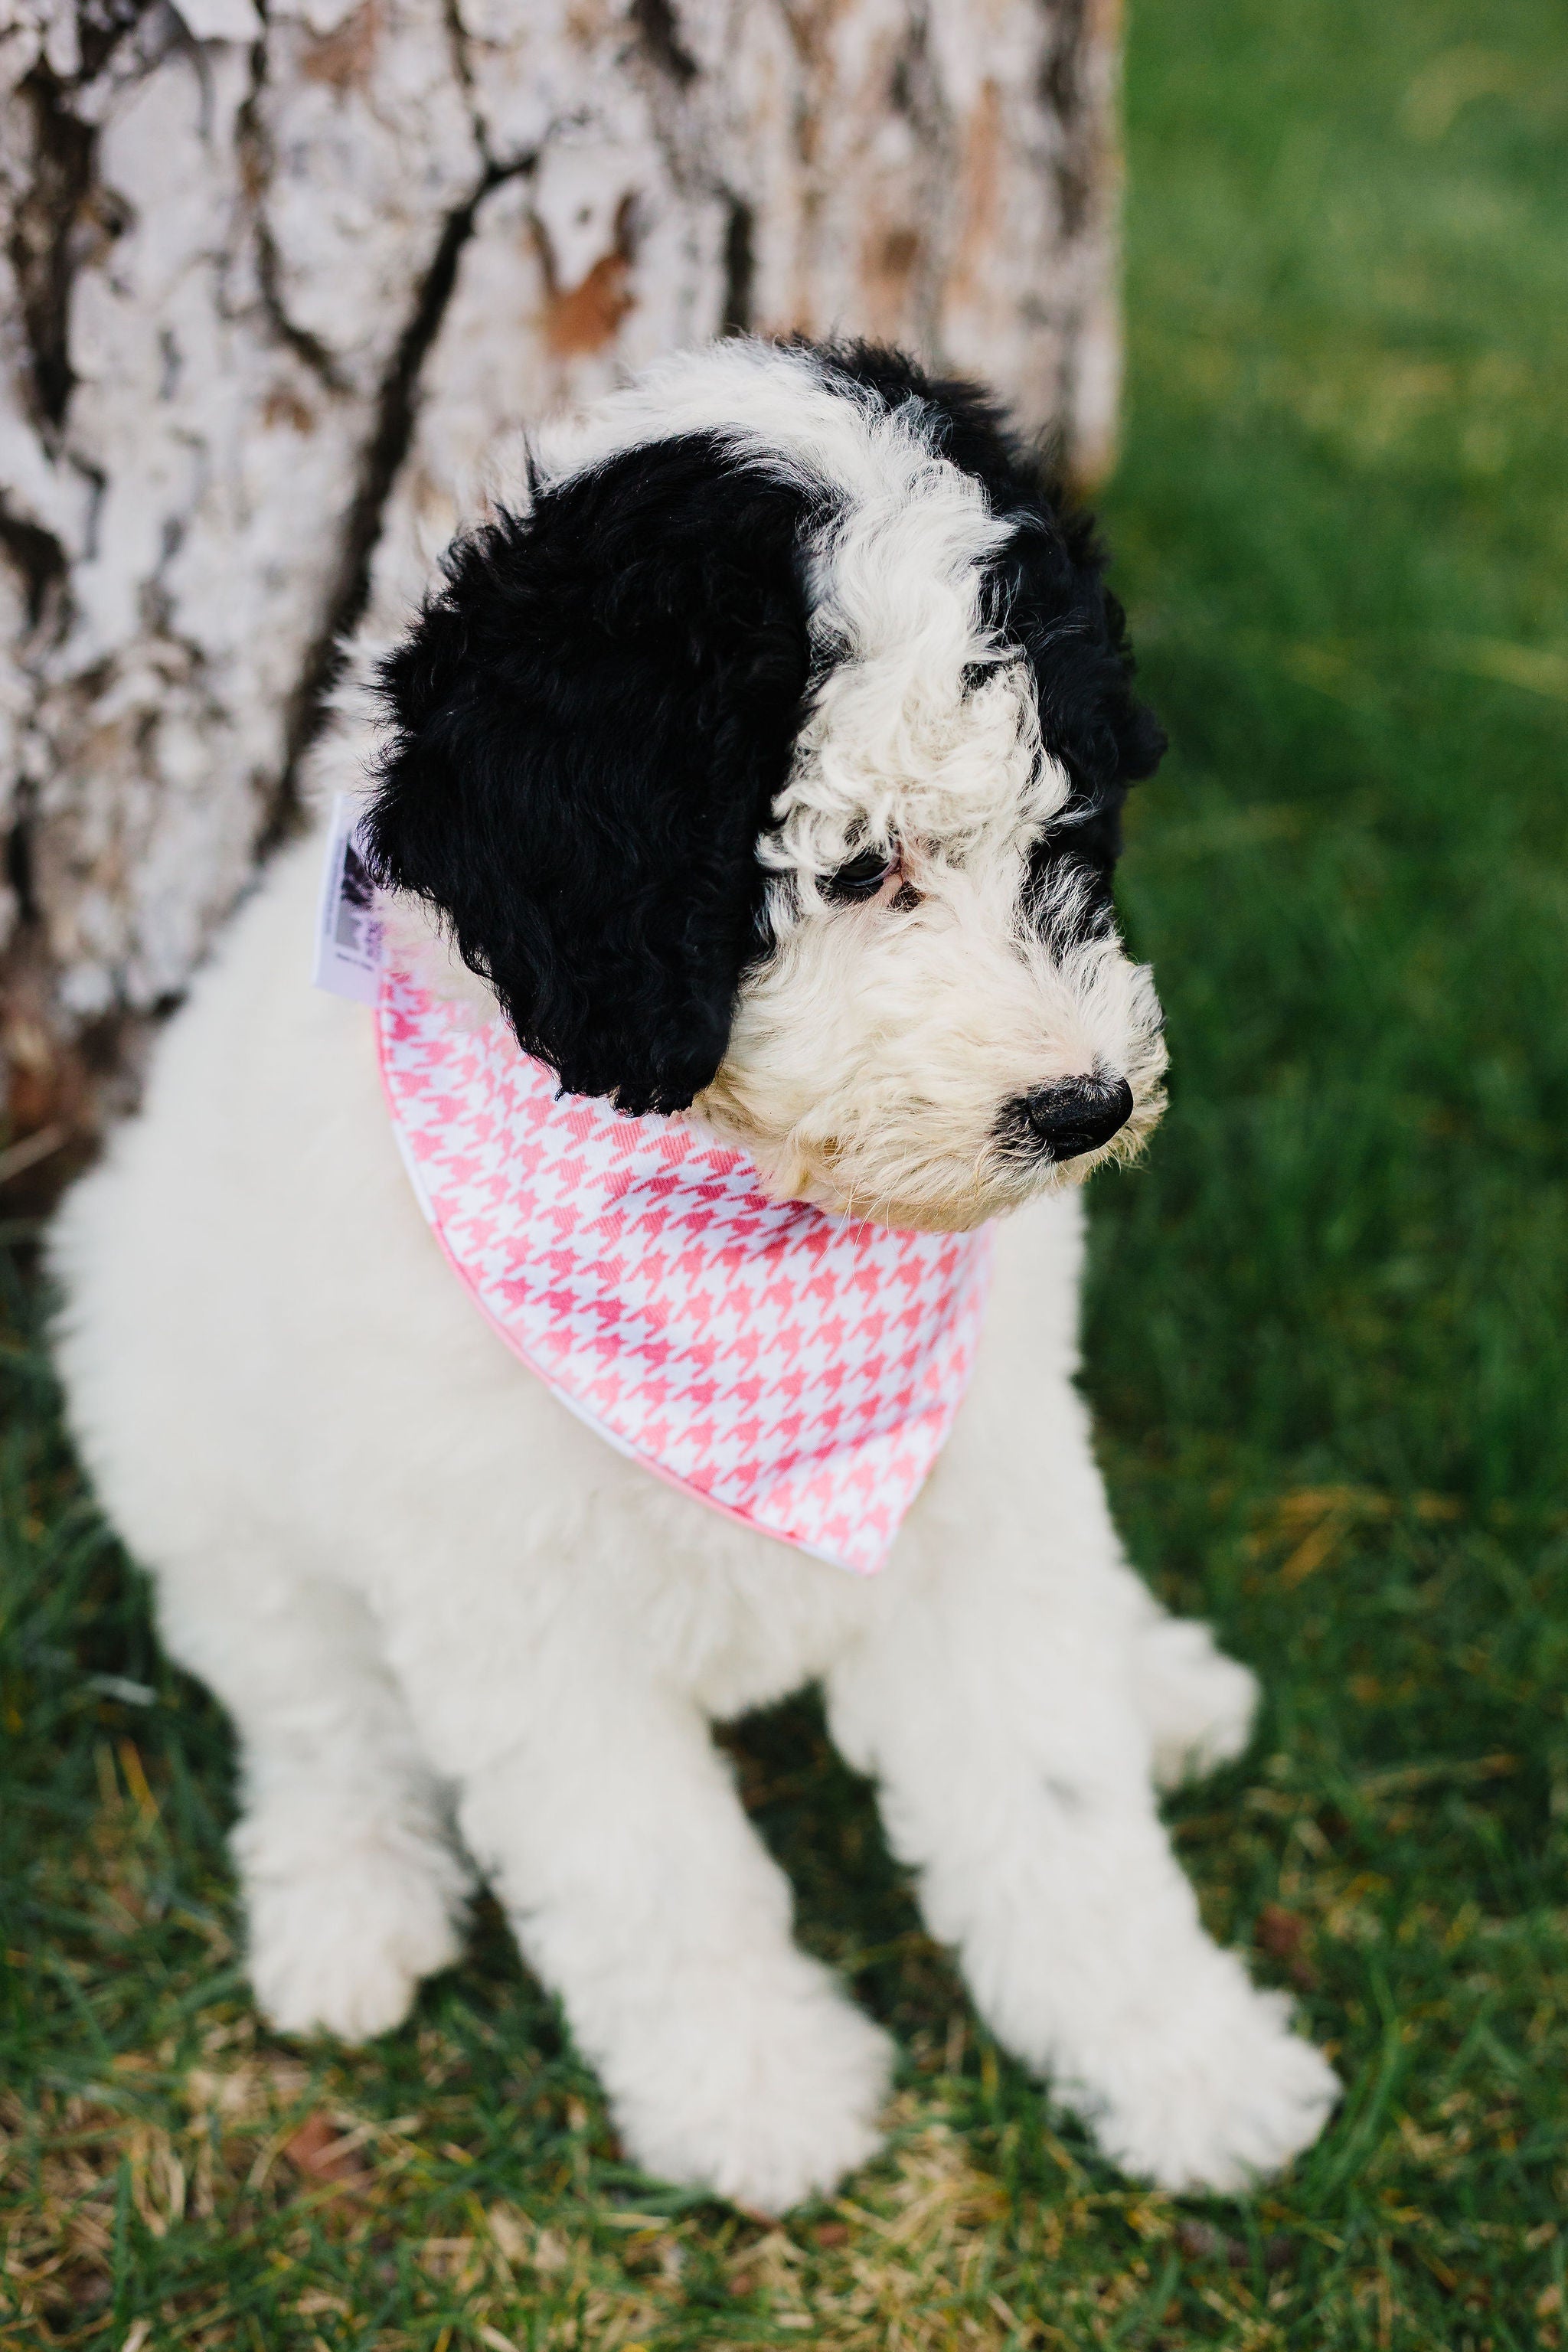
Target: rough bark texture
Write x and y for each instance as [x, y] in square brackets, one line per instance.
[275, 274]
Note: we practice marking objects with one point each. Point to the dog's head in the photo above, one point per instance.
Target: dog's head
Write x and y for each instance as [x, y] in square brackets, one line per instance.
[770, 765]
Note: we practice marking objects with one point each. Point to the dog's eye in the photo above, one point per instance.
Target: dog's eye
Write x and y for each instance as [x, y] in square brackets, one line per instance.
[863, 877]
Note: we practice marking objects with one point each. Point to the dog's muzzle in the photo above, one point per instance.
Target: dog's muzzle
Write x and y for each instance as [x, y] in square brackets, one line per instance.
[1064, 1121]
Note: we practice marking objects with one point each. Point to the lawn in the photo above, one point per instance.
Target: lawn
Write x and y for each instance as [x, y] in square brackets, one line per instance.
[1327, 1346]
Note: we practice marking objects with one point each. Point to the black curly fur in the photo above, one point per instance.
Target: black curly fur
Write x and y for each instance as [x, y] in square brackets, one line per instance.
[594, 714]
[591, 721]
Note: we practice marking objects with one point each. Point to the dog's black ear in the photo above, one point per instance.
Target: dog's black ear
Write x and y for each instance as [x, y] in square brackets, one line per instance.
[1054, 603]
[1047, 591]
[589, 724]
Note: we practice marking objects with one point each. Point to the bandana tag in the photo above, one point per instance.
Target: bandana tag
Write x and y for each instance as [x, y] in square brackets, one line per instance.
[348, 927]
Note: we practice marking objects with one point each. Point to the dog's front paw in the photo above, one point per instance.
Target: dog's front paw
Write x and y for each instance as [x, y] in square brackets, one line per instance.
[340, 1946]
[1198, 1704]
[767, 2095]
[1215, 2094]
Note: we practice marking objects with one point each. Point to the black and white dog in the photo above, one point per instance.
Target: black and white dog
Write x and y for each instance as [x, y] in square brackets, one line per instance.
[762, 760]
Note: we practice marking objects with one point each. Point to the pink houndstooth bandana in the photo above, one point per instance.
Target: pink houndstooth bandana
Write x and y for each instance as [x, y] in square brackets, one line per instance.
[795, 1371]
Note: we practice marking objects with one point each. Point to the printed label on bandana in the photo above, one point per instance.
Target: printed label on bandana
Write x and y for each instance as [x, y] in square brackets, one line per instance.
[348, 927]
[794, 1371]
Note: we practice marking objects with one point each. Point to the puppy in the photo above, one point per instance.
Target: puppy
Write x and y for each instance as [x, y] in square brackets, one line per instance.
[760, 763]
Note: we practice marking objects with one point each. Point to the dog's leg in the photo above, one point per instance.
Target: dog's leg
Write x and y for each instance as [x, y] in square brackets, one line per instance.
[592, 1796]
[1025, 1435]
[1197, 1705]
[353, 1887]
[997, 1707]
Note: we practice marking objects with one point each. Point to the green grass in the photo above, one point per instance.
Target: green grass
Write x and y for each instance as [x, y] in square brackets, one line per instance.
[1326, 1347]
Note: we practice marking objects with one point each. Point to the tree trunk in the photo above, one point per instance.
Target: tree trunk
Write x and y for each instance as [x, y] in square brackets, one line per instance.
[274, 274]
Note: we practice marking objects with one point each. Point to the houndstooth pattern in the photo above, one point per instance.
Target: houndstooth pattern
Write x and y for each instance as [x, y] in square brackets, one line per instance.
[795, 1371]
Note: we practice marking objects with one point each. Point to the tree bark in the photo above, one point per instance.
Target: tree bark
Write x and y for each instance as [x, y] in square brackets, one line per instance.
[276, 274]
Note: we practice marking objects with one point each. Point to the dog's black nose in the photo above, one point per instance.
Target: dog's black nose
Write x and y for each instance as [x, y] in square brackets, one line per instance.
[1075, 1116]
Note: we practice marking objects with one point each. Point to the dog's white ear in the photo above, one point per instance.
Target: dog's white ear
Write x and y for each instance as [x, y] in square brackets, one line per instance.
[589, 724]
